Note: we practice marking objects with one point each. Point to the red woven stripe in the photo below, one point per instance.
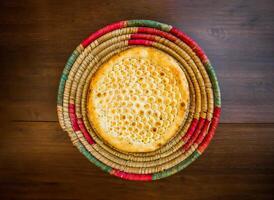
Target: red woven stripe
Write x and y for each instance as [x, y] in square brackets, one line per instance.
[203, 132]
[190, 130]
[142, 36]
[195, 47]
[73, 118]
[201, 54]
[213, 126]
[154, 31]
[140, 42]
[183, 37]
[103, 31]
[217, 112]
[85, 131]
[195, 134]
[129, 176]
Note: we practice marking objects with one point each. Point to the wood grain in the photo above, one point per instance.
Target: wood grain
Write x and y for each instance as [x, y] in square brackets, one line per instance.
[236, 35]
[37, 160]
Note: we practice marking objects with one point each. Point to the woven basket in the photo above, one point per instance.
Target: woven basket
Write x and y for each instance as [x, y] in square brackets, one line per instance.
[194, 135]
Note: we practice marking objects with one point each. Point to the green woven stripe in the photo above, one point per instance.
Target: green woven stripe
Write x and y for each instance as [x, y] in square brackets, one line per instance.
[64, 76]
[60, 91]
[149, 23]
[92, 159]
[215, 84]
[178, 167]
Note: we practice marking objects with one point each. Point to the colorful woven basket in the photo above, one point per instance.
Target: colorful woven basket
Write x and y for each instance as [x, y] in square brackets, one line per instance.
[194, 136]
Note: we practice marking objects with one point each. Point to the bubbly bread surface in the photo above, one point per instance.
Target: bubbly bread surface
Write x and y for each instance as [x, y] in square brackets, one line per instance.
[138, 99]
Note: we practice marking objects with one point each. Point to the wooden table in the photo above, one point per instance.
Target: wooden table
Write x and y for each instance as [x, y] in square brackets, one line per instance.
[37, 160]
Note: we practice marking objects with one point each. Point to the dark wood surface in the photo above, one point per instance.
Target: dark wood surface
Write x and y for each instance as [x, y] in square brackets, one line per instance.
[37, 160]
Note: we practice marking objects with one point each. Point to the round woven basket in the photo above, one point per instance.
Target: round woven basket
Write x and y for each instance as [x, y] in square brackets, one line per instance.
[194, 135]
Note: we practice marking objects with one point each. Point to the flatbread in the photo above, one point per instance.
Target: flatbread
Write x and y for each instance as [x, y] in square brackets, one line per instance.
[138, 99]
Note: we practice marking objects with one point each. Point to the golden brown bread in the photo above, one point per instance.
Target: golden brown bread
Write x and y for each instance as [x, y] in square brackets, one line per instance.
[138, 99]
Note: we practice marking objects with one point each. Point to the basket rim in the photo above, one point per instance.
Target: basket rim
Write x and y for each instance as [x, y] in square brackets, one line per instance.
[210, 72]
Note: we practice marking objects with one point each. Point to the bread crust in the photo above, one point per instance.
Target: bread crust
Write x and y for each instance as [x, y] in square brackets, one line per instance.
[164, 63]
